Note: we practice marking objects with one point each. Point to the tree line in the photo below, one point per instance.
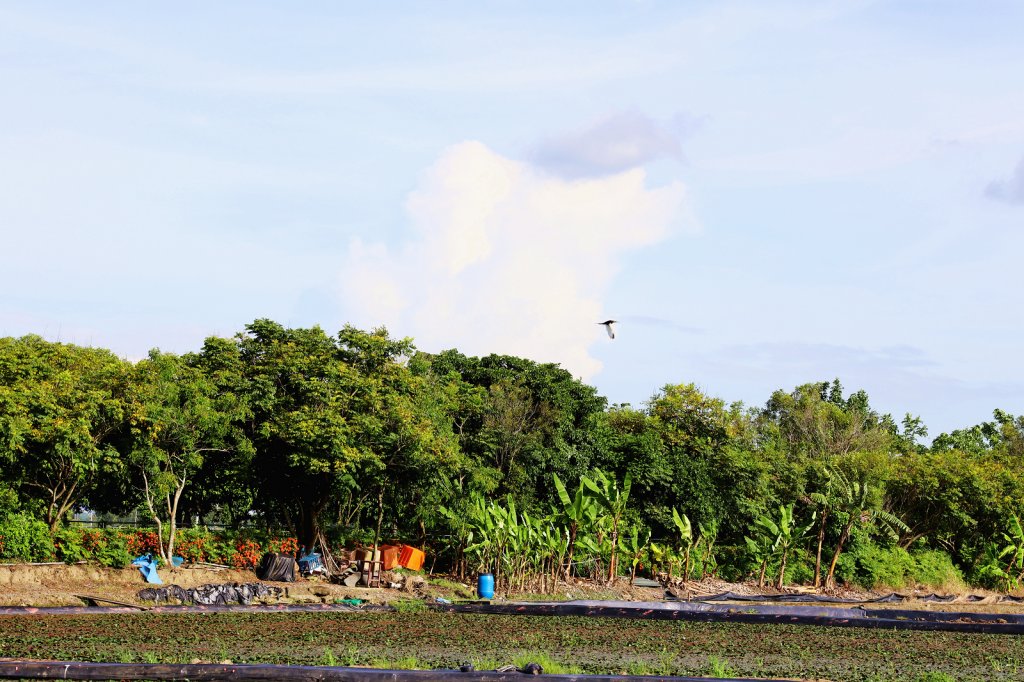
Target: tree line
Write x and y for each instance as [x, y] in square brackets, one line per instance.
[361, 437]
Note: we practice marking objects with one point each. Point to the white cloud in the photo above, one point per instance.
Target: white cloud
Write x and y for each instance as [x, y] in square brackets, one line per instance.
[506, 259]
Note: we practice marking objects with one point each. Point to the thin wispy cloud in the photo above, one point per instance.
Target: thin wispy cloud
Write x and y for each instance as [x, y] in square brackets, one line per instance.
[1010, 190]
[621, 141]
[661, 323]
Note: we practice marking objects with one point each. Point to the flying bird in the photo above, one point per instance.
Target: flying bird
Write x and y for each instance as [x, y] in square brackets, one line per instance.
[608, 327]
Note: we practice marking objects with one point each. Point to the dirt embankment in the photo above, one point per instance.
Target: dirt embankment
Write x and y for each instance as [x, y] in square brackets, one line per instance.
[61, 585]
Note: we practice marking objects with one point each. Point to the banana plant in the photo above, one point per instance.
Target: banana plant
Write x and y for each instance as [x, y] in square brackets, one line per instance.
[856, 499]
[777, 537]
[790, 537]
[685, 529]
[761, 547]
[708, 536]
[578, 513]
[612, 500]
[634, 546]
[664, 559]
[1006, 563]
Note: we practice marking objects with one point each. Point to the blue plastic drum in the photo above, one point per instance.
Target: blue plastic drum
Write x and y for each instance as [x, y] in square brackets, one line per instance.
[485, 586]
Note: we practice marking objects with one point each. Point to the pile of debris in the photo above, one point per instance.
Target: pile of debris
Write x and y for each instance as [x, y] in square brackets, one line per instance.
[227, 593]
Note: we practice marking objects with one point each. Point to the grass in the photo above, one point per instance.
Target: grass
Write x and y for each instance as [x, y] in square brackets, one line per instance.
[409, 605]
[442, 587]
[719, 668]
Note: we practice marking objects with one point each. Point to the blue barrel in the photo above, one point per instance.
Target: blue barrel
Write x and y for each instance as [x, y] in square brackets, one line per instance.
[485, 586]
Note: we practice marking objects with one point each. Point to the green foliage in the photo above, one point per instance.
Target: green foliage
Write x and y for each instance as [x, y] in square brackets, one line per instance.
[61, 415]
[935, 676]
[549, 665]
[409, 605]
[1004, 562]
[109, 549]
[68, 545]
[24, 538]
[935, 568]
[882, 566]
[511, 464]
[719, 668]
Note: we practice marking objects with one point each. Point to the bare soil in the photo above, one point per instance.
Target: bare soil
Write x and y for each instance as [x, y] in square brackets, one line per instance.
[64, 585]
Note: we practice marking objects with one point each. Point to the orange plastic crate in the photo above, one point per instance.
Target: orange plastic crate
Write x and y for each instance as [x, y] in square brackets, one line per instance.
[411, 558]
[389, 556]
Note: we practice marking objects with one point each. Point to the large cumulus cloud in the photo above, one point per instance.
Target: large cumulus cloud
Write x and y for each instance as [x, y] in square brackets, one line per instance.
[505, 258]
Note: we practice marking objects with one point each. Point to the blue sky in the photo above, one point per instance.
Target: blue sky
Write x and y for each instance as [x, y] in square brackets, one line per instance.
[764, 193]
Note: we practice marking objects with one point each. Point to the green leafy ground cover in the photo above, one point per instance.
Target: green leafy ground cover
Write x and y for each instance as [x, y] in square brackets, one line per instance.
[591, 645]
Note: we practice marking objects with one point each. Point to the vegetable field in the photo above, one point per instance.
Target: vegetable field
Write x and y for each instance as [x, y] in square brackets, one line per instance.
[427, 639]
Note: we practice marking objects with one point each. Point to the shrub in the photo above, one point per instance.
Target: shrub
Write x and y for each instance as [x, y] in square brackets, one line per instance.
[882, 566]
[67, 542]
[283, 545]
[23, 538]
[143, 542]
[111, 549]
[800, 568]
[935, 568]
[194, 544]
[247, 554]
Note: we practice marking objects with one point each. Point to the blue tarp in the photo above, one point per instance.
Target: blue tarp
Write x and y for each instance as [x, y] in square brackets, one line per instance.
[147, 564]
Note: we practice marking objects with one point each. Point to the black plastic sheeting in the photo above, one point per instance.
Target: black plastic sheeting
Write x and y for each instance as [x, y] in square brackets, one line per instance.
[892, 597]
[211, 595]
[276, 567]
[896, 619]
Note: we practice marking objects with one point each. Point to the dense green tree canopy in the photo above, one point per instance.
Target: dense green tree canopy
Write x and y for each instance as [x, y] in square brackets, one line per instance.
[360, 435]
[62, 412]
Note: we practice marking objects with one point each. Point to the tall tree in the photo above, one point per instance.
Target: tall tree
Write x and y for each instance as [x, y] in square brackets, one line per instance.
[179, 420]
[530, 420]
[61, 416]
[334, 415]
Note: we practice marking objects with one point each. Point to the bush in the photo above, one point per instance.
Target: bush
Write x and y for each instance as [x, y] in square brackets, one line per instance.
[800, 568]
[68, 545]
[873, 566]
[195, 544]
[935, 568]
[110, 549]
[143, 542]
[23, 538]
[882, 566]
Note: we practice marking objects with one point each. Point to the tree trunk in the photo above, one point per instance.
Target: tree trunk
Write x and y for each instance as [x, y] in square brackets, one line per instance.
[612, 563]
[156, 517]
[308, 529]
[782, 572]
[380, 520]
[573, 528]
[830, 578]
[173, 522]
[821, 541]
